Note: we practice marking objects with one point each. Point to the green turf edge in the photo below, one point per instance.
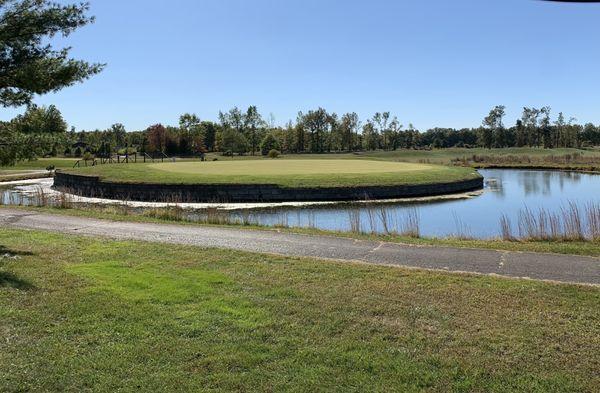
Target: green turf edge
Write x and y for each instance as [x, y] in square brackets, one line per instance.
[141, 174]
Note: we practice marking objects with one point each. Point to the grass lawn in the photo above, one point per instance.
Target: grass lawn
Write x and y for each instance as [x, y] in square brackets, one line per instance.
[78, 313]
[287, 173]
[28, 169]
[41, 164]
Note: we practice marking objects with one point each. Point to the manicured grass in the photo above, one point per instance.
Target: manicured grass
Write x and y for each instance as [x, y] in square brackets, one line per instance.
[286, 173]
[41, 164]
[27, 175]
[28, 169]
[83, 314]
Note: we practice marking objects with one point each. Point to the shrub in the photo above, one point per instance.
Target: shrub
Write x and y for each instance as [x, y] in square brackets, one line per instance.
[268, 143]
[129, 150]
[273, 153]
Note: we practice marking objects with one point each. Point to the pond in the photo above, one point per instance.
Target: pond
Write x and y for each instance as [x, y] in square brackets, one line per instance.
[507, 193]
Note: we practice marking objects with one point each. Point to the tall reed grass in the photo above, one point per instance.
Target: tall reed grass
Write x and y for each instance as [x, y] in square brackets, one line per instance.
[570, 223]
[566, 160]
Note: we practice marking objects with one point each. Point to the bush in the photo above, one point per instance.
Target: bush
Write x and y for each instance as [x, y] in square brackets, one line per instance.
[268, 143]
[273, 153]
[129, 150]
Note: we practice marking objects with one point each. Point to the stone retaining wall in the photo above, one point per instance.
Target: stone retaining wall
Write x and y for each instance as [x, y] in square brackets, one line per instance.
[92, 186]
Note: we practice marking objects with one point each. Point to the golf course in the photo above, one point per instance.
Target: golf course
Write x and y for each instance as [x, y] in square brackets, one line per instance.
[296, 196]
[284, 173]
[267, 180]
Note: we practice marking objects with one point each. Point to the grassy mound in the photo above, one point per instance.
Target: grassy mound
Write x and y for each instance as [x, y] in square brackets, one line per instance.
[285, 173]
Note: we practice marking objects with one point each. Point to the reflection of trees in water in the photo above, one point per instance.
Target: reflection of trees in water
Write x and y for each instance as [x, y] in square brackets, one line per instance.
[567, 179]
[540, 182]
[529, 183]
[547, 183]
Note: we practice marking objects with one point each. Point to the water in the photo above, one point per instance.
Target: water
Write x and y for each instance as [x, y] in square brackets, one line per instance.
[506, 192]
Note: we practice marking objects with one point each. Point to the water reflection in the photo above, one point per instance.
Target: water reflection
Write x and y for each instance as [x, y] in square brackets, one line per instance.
[506, 192]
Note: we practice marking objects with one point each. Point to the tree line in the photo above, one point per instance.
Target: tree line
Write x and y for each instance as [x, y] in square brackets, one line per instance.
[30, 65]
[315, 131]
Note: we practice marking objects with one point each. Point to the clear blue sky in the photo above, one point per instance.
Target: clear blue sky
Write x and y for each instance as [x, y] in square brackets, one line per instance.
[430, 62]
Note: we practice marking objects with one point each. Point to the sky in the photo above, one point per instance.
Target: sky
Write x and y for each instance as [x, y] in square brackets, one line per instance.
[429, 62]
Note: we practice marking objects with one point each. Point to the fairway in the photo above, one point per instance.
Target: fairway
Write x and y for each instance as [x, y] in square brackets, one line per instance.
[284, 173]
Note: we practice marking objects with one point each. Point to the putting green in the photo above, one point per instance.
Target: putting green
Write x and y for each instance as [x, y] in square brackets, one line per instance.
[282, 172]
[288, 167]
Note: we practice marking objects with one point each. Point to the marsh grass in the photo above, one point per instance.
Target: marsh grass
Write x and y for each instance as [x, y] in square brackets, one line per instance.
[592, 212]
[411, 224]
[463, 232]
[570, 223]
[354, 218]
[576, 160]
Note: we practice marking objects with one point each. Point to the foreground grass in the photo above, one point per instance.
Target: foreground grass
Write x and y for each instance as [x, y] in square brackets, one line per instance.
[173, 216]
[80, 314]
[285, 173]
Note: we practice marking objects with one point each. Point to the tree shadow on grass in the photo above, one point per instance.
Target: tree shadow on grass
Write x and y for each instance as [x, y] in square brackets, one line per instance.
[7, 253]
[8, 279]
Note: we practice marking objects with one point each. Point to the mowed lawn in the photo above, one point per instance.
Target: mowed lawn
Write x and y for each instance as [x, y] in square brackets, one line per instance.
[79, 314]
[286, 173]
[41, 164]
